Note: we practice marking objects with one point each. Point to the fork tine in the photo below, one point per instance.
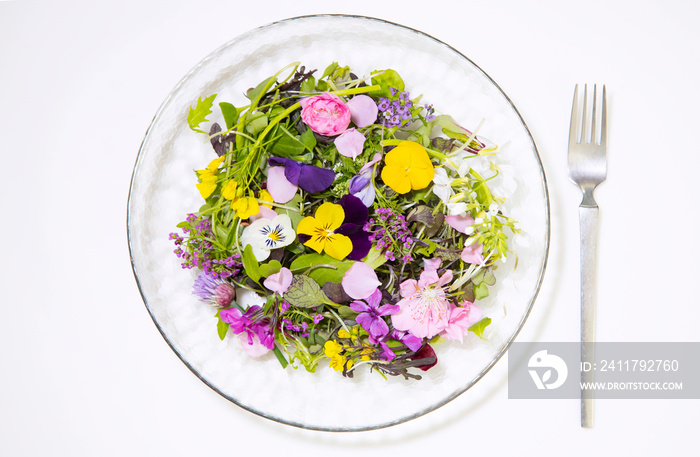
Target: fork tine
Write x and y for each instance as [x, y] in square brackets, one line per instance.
[586, 115]
[604, 122]
[573, 127]
[594, 116]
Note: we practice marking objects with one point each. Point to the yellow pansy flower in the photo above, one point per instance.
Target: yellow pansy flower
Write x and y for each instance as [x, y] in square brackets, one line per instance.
[208, 178]
[407, 167]
[320, 228]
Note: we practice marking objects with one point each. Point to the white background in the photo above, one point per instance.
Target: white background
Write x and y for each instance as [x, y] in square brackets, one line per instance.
[84, 370]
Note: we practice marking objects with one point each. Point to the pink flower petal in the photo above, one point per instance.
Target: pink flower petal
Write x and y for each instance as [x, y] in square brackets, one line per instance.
[432, 264]
[360, 281]
[408, 288]
[428, 277]
[473, 254]
[265, 213]
[444, 279]
[279, 282]
[254, 349]
[460, 223]
[461, 318]
[377, 157]
[279, 187]
[363, 110]
[350, 143]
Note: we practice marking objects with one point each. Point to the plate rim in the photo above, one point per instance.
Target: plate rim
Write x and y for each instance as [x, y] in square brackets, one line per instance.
[447, 399]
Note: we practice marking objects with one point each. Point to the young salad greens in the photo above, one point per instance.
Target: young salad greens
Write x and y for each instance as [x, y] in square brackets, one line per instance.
[349, 213]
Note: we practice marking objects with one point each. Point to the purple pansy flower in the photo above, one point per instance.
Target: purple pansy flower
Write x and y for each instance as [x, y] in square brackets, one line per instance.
[370, 317]
[310, 178]
[356, 215]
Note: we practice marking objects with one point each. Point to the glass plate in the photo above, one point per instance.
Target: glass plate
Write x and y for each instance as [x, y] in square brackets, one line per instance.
[163, 192]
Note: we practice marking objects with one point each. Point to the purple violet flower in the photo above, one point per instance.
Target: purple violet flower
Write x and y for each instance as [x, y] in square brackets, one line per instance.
[370, 317]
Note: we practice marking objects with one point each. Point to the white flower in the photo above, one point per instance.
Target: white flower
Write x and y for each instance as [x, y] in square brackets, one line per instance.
[443, 185]
[264, 235]
[443, 189]
[456, 209]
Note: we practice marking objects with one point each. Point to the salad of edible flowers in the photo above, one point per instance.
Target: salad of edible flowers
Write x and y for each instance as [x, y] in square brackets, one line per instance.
[349, 215]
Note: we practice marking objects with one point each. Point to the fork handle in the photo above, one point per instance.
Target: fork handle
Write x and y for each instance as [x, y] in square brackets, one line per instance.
[588, 219]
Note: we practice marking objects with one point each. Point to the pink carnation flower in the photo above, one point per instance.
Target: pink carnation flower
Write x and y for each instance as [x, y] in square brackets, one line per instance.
[325, 114]
[424, 310]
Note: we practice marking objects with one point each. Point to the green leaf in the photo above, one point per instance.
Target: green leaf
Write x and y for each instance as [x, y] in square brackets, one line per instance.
[347, 313]
[250, 264]
[256, 123]
[304, 292]
[230, 114]
[221, 327]
[309, 84]
[222, 233]
[327, 269]
[270, 268]
[280, 357]
[287, 145]
[489, 277]
[308, 139]
[330, 69]
[375, 258]
[254, 94]
[294, 216]
[481, 291]
[428, 251]
[480, 326]
[387, 79]
[199, 113]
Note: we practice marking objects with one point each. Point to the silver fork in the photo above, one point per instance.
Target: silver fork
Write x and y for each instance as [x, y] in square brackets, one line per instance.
[588, 140]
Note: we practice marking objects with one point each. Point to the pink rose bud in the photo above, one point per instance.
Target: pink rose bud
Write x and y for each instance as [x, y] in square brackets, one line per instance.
[325, 114]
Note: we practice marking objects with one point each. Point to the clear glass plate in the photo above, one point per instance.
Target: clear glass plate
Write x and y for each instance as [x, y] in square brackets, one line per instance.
[163, 192]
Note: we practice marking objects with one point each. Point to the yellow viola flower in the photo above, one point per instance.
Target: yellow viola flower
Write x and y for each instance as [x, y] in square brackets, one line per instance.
[245, 207]
[208, 178]
[407, 167]
[342, 333]
[320, 228]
